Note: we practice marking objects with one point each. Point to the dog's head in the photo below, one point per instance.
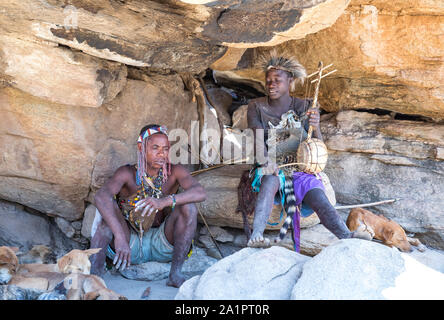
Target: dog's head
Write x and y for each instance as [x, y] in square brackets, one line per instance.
[394, 235]
[76, 261]
[8, 263]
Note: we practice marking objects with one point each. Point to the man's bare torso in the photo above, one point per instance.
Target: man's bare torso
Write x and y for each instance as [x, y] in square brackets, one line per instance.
[130, 188]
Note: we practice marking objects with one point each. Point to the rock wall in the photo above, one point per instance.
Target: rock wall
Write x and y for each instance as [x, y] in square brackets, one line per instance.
[54, 157]
[54, 154]
[59, 75]
[373, 158]
[165, 35]
[388, 55]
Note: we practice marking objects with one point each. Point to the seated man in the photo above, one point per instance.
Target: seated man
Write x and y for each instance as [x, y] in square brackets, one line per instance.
[147, 191]
[280, 75]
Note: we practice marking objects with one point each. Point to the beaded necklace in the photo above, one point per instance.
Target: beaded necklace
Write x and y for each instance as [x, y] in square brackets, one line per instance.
[150, 187]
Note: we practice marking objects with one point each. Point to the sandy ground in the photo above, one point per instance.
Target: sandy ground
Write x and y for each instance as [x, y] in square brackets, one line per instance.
[133, 289]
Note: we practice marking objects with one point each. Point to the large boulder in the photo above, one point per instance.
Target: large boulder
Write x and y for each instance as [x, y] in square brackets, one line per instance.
[249, 274]
[349, 269]
[59, 74]
[355, 269]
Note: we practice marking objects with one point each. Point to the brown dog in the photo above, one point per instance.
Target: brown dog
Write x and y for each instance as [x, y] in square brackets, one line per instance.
[25, 275]
[75, 261]
[70, 275]
[381, 228]
[75, 286]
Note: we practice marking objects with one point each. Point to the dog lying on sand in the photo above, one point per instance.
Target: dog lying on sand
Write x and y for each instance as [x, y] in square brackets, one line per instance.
[75, 261]
[69, 276]
[383, 229]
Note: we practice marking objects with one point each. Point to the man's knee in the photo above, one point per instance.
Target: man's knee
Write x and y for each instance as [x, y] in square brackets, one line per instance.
[104, 230]
[188, 212]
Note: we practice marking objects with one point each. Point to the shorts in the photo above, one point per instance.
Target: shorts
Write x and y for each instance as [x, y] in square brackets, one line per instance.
[302, 183]
[155, 247]
[306, 210]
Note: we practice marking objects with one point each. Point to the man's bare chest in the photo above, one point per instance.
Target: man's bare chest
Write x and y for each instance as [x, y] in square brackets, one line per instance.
[131, 188]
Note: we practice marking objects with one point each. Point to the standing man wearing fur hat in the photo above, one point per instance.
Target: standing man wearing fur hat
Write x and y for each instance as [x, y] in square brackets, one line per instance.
[140, 217]
[281, 74]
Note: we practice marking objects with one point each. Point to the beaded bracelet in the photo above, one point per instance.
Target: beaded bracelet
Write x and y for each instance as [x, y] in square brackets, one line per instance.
[172, 196]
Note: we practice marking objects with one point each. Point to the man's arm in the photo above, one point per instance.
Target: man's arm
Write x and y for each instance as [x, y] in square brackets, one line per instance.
[107, 206]
[314, 120]
[193, 191]
[255, 124]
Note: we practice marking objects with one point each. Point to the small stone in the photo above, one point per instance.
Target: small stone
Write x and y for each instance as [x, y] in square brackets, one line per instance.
[65, 226]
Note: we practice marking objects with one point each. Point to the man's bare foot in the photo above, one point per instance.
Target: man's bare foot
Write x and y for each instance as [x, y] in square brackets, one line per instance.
[175, 280]
[258, 241]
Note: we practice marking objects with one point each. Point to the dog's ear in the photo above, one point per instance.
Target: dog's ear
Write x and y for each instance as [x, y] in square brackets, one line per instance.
[90, 252]
[15, 249]
[63, 262]
[93, 295]
[387, 234]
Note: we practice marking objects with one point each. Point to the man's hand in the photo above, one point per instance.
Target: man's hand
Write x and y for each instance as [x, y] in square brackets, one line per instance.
[270, 168]
[314, 117]
[150, 205]
[122, 258]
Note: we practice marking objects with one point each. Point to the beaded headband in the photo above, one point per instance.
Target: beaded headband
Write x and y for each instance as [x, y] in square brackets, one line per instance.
[141, 153]
[149, 132]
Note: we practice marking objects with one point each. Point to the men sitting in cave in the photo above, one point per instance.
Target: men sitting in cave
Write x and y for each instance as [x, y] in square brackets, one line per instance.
[143, 217]
[280, 75]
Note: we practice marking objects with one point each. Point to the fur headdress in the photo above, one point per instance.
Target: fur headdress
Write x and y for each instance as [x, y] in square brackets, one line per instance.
[286, 63]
